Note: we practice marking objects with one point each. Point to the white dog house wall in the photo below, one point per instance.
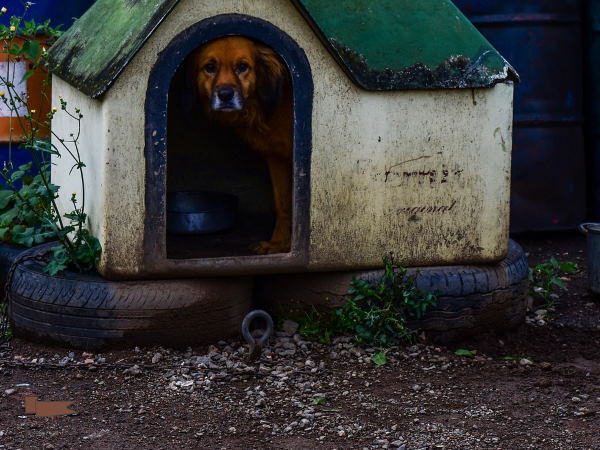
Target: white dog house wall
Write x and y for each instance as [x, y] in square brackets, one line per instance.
[402, 116]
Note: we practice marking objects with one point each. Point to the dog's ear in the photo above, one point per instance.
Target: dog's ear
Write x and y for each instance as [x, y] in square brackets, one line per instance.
[271, 76]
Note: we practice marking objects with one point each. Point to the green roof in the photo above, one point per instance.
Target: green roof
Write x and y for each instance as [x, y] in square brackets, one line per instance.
[406, 44]
[94, 51]
[381, 45]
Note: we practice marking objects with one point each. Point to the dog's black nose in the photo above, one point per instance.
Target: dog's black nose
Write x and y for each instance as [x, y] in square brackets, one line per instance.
[225, 94]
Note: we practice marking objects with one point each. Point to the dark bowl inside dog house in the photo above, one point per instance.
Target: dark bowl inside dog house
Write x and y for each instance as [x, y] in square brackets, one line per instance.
[200, 212]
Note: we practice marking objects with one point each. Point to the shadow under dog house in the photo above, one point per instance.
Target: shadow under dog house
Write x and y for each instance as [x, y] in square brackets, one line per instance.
[401, 129]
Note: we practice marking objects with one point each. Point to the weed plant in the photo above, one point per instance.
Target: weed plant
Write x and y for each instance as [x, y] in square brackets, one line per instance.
[28, 207]
[547, 278]
[376, 312]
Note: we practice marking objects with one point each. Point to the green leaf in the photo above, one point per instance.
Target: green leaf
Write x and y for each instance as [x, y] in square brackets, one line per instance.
[32, 49]
[23, 236]
[465, 353]
[8, 216]
[569, 267]
[319, 401]
[16, 175]
[558, 282]
[380, 358]
[5, 198]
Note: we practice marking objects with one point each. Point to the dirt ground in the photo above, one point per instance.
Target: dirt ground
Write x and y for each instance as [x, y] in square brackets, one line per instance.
[535, 387]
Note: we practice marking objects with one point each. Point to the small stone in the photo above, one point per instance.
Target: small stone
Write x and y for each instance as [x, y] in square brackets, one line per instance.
[289, 327]
[416, 388]
[156, 358]
[575, 399]
[289, 346]
[582, 412]
[526, 362]
[10, 391]
[133, 370]
[398, 444]
[64, 361]
[546, 366]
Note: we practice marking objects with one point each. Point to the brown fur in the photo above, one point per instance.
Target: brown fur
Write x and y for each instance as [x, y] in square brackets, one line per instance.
[259, 78]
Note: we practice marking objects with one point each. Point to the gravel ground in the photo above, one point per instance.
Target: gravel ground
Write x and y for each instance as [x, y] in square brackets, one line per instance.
[535, 387]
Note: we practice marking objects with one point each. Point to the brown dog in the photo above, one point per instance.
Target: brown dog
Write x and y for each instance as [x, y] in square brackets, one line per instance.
[244, 85]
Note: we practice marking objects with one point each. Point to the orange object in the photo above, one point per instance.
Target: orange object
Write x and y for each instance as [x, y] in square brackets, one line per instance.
[38, 97]
[45, 409]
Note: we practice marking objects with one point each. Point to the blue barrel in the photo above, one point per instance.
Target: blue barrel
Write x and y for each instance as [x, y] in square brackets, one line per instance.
[542, 39]
[593, 90]
[60, 12]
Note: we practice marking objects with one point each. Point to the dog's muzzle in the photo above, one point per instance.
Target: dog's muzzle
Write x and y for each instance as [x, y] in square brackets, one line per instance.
[227, 98]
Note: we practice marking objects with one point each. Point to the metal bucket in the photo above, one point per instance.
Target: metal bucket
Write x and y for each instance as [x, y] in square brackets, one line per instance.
[592, 231]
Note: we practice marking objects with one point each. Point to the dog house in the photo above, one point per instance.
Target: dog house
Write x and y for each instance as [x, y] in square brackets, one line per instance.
[401, 125]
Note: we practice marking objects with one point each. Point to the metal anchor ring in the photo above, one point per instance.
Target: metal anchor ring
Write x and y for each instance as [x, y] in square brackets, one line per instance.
[256, 345]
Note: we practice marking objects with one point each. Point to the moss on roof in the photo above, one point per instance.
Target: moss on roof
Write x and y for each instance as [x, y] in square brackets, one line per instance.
[100, 44]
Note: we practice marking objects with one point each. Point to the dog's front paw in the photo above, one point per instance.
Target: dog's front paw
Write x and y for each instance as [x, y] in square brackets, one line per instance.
[269, 247]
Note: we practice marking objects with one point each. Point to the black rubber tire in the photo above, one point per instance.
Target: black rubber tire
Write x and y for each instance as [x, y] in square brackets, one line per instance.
[471, 299]
[8, 255]
[89, 312]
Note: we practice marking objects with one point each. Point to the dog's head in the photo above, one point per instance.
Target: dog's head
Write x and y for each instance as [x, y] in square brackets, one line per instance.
[230, 71]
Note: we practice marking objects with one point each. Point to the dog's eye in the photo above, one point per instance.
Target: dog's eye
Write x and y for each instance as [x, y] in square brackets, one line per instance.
[242, 67]
[210, 68]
